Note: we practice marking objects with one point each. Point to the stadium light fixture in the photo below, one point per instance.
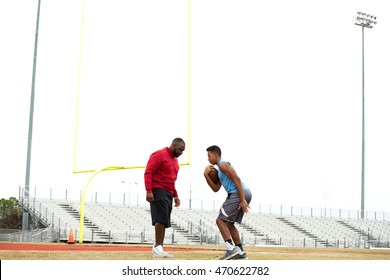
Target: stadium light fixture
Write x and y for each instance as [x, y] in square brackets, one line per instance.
[365, 21]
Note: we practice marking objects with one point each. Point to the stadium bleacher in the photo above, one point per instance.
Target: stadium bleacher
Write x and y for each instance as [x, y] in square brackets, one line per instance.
[118, 223]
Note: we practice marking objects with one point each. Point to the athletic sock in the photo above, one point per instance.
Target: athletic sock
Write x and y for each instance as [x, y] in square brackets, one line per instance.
[229, 244]
[159, 248]
[240, 248]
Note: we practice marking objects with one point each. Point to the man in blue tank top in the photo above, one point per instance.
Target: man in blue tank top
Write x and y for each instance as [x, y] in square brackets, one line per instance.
[235, 205]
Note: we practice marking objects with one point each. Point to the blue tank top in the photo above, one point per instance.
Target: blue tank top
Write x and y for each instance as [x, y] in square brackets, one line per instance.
[226, 182]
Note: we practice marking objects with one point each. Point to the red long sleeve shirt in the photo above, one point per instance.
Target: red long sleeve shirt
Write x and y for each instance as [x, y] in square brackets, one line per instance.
[161, 171]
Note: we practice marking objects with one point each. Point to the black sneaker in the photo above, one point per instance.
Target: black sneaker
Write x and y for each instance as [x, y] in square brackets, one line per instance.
[239, 256]
[229, 254]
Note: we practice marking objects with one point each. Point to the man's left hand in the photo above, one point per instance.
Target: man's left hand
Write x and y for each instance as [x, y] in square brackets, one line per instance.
[177, 202]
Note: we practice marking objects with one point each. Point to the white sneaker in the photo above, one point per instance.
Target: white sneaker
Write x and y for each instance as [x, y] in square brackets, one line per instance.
[158, 252]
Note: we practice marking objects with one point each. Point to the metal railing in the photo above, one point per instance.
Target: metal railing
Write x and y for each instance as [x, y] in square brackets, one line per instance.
[58, 229]
[201, 204]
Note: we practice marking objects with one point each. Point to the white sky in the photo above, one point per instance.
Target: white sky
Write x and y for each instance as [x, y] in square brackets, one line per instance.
[276, 84]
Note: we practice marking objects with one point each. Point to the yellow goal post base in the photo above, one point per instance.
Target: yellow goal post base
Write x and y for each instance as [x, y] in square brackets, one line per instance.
[96, 172]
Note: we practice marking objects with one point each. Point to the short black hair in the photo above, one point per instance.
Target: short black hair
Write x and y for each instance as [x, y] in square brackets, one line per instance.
[214, 149]
[177, 141]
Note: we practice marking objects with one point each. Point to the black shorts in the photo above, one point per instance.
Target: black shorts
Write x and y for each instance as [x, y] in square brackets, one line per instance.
[161, 208]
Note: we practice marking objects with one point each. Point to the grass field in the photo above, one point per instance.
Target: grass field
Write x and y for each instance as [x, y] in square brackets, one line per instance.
[63, 251]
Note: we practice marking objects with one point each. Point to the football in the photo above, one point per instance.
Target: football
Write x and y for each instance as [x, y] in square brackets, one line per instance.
[214, 176]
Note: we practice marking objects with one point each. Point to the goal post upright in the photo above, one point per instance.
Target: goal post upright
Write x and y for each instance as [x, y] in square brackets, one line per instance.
[112, 168]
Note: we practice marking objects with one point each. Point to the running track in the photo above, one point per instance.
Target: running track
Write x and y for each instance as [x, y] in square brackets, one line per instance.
[76, 247]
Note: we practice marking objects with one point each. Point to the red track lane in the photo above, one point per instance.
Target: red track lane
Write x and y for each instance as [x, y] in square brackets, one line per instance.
[75, 247]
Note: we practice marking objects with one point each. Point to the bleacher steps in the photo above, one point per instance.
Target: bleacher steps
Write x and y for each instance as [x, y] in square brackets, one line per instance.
[304, 231]
[87, 222]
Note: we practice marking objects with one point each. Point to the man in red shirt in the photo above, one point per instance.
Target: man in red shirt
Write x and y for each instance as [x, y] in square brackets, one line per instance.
[160, 177]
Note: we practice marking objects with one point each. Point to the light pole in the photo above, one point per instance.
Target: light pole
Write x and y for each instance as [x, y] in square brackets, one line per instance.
[135, 185]
[365, 21]
[123, 182]
[26, 194]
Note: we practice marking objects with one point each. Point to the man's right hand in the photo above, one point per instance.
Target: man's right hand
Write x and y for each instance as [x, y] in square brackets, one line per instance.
[149, 197]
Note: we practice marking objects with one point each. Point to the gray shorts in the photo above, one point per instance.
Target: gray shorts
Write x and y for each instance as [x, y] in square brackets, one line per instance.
[229, 211]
